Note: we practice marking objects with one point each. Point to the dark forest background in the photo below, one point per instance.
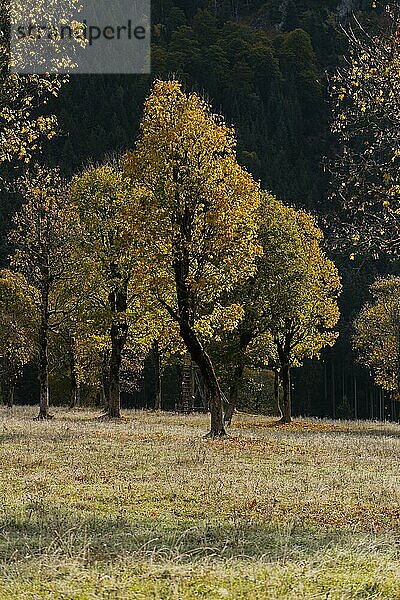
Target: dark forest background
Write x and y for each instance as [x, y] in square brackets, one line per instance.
[265, 66]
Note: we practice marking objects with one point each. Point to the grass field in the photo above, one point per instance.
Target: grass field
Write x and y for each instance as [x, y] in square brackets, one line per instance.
[146, 508]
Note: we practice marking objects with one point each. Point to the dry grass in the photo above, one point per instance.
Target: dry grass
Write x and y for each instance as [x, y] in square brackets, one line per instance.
[146, 508]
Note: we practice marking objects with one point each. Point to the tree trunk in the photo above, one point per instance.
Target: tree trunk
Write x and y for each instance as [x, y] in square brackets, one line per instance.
[244, 340]
[10, 396]
[187, 385]
[43, 358]
[286, 408]
[114, 397]
[75, 394]
[233, 394]
[157, 375]
[105, 387]
[119, 331]
[185, 318]
[201, 358]
[75, 391]
[229, 412]
[276, 388]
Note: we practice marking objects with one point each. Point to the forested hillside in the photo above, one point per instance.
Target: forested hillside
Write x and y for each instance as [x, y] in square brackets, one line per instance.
[260, 65]
[263, 65]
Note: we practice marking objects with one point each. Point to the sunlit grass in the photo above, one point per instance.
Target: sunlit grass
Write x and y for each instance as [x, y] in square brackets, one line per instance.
[146, 508]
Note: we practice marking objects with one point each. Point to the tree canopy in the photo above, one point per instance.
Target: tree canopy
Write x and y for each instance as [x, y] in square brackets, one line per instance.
[367, 125]
[290, 304]
[203, 207]
[377, 334]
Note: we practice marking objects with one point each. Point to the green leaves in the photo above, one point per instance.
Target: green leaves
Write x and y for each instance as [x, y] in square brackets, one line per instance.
[377, 334]
[18, 320]
[290, 303]
[203, 205]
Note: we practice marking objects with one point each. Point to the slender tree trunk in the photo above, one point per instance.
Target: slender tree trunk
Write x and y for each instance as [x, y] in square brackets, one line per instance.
[187, 385]
[10, 396]
[276, 387]
[244, 340]
[114, 398]
[286, 407]
[43, 357]
[105, 387]
[119, 331]
[233, 394]
[229, 411]
[157, 375]
[75, 391]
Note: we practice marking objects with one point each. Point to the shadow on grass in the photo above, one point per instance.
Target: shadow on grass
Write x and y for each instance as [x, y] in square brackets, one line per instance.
[105, 539]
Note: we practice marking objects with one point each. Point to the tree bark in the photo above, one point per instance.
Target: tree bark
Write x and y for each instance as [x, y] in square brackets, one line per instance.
[118, 301]
[114, 397]
[229, 412]
[187, 385]
[104, 385]
[276, 387]
[43, 356]
[185, 315]
[157, 375]
[201, 358]
[10, 396]
[286, 408]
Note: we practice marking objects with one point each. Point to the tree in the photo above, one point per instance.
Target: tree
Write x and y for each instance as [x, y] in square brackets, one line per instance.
[70, 332]
[112, 237]
[18, 328]
[301, 290]
[376, 336]
[203, 209]
[64, 358]
[290, 303]
[43, 238]
[24, 96]
[366, 92]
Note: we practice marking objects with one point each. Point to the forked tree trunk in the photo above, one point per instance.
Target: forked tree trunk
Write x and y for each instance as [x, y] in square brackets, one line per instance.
[157, 375]
[119, 331]
[285, 406]
[185, 319]
[43, 358]
[201, 358]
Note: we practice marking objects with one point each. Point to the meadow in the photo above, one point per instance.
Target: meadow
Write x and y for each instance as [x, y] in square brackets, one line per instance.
[146, 508]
